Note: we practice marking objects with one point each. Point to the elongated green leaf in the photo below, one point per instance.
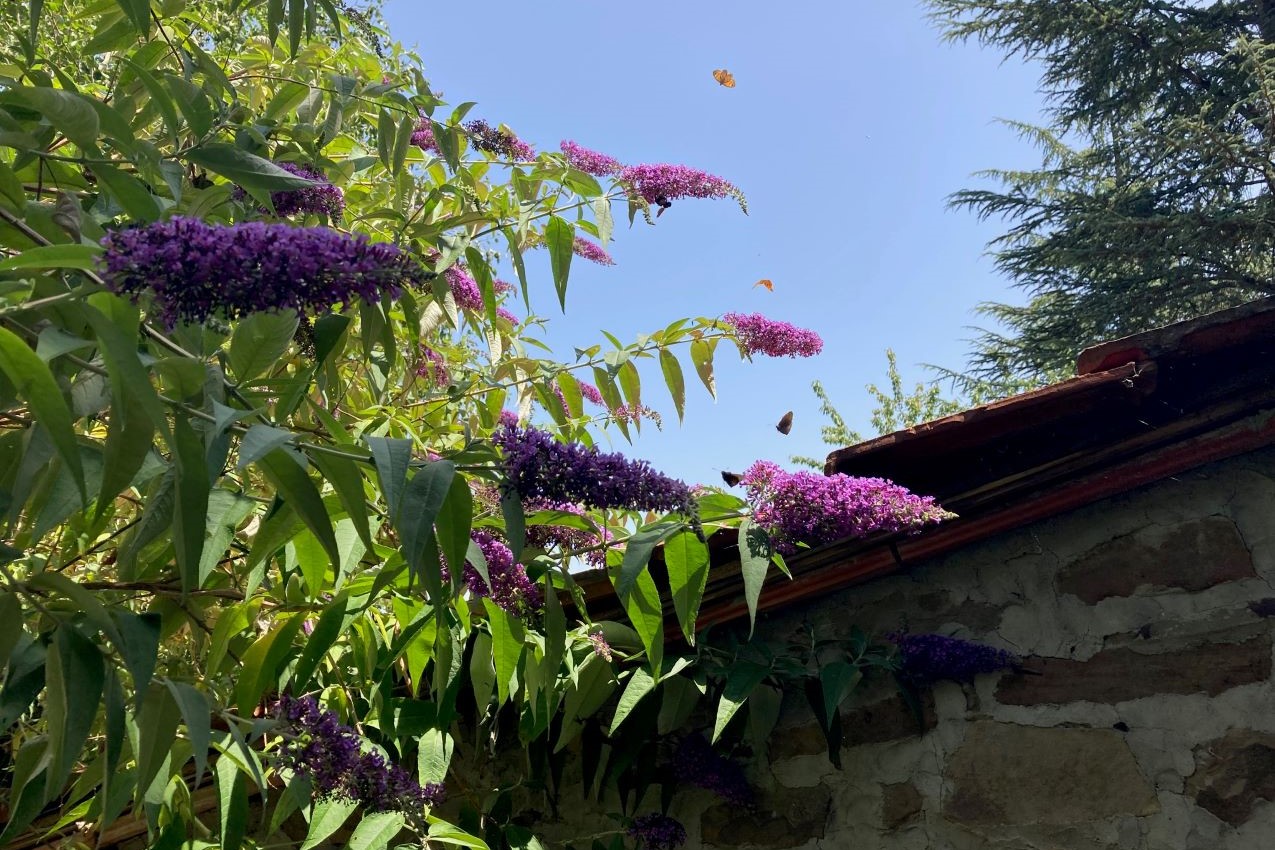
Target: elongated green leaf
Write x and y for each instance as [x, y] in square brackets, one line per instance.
[637, 554]
[137, 641]
[646, 613]
[453, 521]
[131, 193]
[422, 500]
[197, 715]
[515, 521]
[560, 239]
[702, 357]
[294, 485]
[35, 383]
[376, 830]
[673, 379]
[391, 456]
[157, 725]
[329, 814]
[507, 634]
[83, 257]
[189, 518]
[259, 441]
[442, 832]
[680, 695]
[434, 755]
[159, 96]
[258, 343]
[631, 383]
[261, 663]
[754, 559]
[686, 558]
[346, 479]
[139, 12]
[245, 169]
[740, 682]
[232, 803]
[332, 622]
[640, 684]
[67, 111]
[838, 680]
[75, 676]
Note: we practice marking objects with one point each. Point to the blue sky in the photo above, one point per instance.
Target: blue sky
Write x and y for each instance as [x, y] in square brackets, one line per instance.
[849, 126]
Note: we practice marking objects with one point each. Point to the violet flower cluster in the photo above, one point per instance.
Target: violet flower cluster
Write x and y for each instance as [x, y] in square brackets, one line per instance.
[591, 251]
[565, 537]
[423, 136]
[760, 335]
[809, 508]
[328, 753]
[600, 646]
[929, 658]
[498, 141]
[433, 367]
[538, 466]
[662, 183]
[655, 831]
[629, 414]
[321, 199]
[193, 269]
[590, 161]
[591, 394]
[697, 763]
[511, 588]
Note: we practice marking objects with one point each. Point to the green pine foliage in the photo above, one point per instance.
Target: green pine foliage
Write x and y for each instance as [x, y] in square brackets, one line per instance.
[1154, 198]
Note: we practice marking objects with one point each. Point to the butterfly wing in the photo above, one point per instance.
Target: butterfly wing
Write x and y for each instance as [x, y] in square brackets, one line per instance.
[785, 423]
[724, 77]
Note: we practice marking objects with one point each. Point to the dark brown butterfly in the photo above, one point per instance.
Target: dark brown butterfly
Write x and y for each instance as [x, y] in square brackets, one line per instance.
[785, 423]
[732, 479]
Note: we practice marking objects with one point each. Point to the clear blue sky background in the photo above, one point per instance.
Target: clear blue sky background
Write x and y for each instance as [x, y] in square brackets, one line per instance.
[850, 125]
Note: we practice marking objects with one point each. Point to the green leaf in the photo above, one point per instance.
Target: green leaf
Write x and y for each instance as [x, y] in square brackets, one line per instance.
[594, 682]
[560, 240]
[376, 830]
[259, 441]
[158, 94]
[258, 343]
[507, 634]
[763, 713]
[197, 714]
[434, 755]
[686, 558]
[740, 682]
[329, 814]
[139, 12]
[75, 676]
[347, 480]
[640, 684]
[702, 357]
[838, 680]
[445, 833]
[453, 521]
[131, 193]
[245, 169]
[646, 613]
[261, 663]
[137, 641]
[422, 501]
[754, 559]
[157, 725]
[292, 482]
[515, 521]
[35, 383]
[637, 555]
[680, 696]
[673, 380]
[391, 455]
[70, 113]
[82, 257]
[190, 518]
[332, 623]
[232, 802]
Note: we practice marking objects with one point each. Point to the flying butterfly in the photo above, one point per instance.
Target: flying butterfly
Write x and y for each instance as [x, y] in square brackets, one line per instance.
[765, 282]
[785, 423]
[732, 479]
[726, 78]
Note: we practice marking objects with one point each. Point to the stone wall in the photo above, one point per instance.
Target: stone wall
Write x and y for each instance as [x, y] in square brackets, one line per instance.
[1151, 724]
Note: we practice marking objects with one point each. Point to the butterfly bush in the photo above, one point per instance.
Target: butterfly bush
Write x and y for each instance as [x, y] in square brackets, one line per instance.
[193, 269]
[423, 137]
[497, 141]
[511, 589]
[760, 335]
[537, 466]
[590, 161]
[465, 289]
[433, 366]
[928, 658]
[591, 394]
[321, 199]
[812, 509]
[697, 763]
[329, 754]
[662, 183]
[591, 251]
[601, 646]
[566, 537]
[655, 831]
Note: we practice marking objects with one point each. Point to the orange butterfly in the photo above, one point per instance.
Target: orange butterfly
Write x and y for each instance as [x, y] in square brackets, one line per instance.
[766, 282]
[726, 78]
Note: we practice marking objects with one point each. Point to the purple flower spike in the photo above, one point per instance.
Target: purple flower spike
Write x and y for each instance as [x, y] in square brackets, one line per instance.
[194, 270]
[423, 137]
[591, 251]
[809, 508]
[497, 141]
[590, 162]
[655, 831]
[511, 588]
[926, 659]
[662, 184]
[538, 466]
[759, 335]
[591, 394]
